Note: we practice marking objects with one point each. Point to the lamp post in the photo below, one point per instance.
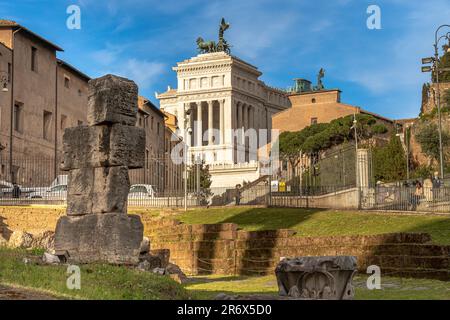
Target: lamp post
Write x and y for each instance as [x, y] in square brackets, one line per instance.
[187, 133]
[435, 68]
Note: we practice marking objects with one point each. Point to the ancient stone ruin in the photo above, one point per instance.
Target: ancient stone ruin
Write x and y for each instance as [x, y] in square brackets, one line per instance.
[317, 277]
[97, 157]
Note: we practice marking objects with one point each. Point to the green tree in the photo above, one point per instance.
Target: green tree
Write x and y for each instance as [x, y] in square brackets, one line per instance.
[446, 99]
[389, 161]
[428, 138]
[425, 94]
[444, 63]
[196, 171]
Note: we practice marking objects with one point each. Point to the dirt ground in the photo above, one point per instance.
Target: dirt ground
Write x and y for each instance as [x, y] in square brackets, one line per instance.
[10, 293]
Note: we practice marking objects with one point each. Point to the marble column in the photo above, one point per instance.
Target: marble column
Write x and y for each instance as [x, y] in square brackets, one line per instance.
[222, 121]
[210, 122]
[239, 115]
[245, 117]
[199, 125]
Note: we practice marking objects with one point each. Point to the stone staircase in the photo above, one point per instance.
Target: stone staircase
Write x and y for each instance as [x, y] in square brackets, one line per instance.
[223, 249]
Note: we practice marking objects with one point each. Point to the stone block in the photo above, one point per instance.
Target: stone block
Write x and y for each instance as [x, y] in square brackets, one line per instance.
[97, 190]
[109, 238]
[127, 146]
[85, 147]
[112, 99]
[103, 146]
[317, 277]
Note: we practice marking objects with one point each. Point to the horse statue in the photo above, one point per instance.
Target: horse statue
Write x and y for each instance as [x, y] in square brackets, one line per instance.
[205, 46]
[211, 46]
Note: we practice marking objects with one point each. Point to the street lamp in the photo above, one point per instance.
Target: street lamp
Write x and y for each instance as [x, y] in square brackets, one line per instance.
[187, 132]
[435, 61]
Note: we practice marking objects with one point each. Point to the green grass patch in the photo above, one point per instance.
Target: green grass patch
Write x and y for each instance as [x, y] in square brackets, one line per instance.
[316, 222]
[208, 287]
[98, 281]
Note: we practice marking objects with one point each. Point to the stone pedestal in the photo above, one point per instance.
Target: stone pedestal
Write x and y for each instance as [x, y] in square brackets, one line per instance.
[98, 156]
[317, 277]
[110, 237]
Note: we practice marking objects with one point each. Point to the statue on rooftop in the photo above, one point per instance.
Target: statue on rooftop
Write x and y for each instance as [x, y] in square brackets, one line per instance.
[211, 46]
[320, 76]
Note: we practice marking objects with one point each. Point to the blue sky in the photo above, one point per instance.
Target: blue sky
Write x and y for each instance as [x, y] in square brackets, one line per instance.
[378, 70]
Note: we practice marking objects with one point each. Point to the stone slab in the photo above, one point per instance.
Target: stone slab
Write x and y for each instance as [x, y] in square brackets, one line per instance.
[97, 190]
[112, 99]
[103, 146]
[108, 238]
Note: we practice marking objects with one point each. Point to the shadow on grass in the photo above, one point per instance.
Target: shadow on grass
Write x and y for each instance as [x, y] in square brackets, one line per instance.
[256, 261]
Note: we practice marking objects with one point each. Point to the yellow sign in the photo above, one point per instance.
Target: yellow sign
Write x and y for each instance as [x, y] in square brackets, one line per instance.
[282, 186]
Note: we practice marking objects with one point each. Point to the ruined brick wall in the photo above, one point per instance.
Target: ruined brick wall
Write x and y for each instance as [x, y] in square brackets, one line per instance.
[223, 249]
[31, 219]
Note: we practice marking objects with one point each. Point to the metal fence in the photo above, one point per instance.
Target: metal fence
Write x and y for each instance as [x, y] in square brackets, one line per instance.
[406, 198]
[161, 183]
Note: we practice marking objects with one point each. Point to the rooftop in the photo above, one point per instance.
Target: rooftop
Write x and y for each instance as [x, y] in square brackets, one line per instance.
[15, 26]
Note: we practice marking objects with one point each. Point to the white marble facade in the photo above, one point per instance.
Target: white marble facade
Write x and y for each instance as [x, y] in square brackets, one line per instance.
[219, 97]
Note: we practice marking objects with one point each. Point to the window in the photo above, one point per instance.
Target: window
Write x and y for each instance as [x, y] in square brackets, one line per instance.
[140, 121]
[313, 120]
[158, 128]
[66, 82]
[313, 100]
[151, 124]
[9, 72]
[18, 115]
[47, 132]
[33, 59]
[63, 123]
[80, 123]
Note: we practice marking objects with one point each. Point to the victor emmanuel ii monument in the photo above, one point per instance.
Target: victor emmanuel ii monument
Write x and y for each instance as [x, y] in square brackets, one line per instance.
[224, 111]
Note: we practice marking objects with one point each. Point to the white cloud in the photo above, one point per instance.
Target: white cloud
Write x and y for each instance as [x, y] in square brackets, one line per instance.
[144, 73]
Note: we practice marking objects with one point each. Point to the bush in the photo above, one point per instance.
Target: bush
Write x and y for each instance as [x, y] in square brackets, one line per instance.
[389, 162]
[379, 128]
[428, 138]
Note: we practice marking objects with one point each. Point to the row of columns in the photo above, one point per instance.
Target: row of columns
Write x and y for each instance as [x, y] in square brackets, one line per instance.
[246, 116]
[199, 121]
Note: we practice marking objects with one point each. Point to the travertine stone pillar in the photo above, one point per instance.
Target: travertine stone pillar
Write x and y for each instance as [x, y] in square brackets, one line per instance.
[98, 156]
[199, 125]
[222, 120]
[210, 123]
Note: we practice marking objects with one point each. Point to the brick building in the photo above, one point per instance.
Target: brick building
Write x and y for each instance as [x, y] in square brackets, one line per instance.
[315, 106]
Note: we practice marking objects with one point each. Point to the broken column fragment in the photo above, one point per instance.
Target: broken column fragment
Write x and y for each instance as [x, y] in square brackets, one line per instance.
[98, 156]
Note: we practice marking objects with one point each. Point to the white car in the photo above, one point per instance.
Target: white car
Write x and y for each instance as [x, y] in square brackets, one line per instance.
[141, 191]
[58, 192]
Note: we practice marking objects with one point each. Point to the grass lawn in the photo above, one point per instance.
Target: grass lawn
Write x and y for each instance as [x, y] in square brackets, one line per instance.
[392, 288]
[98, 281]
[316, 222]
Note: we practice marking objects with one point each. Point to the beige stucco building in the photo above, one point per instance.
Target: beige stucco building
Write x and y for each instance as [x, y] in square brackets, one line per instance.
[220, 97]
[44, 96]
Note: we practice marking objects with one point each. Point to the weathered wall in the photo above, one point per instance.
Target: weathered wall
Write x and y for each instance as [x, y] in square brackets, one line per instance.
[346, 199]
[222, 249]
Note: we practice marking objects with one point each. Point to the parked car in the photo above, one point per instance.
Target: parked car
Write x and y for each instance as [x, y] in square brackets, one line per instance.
[6, 188]
[141, 191]
[58, 192]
